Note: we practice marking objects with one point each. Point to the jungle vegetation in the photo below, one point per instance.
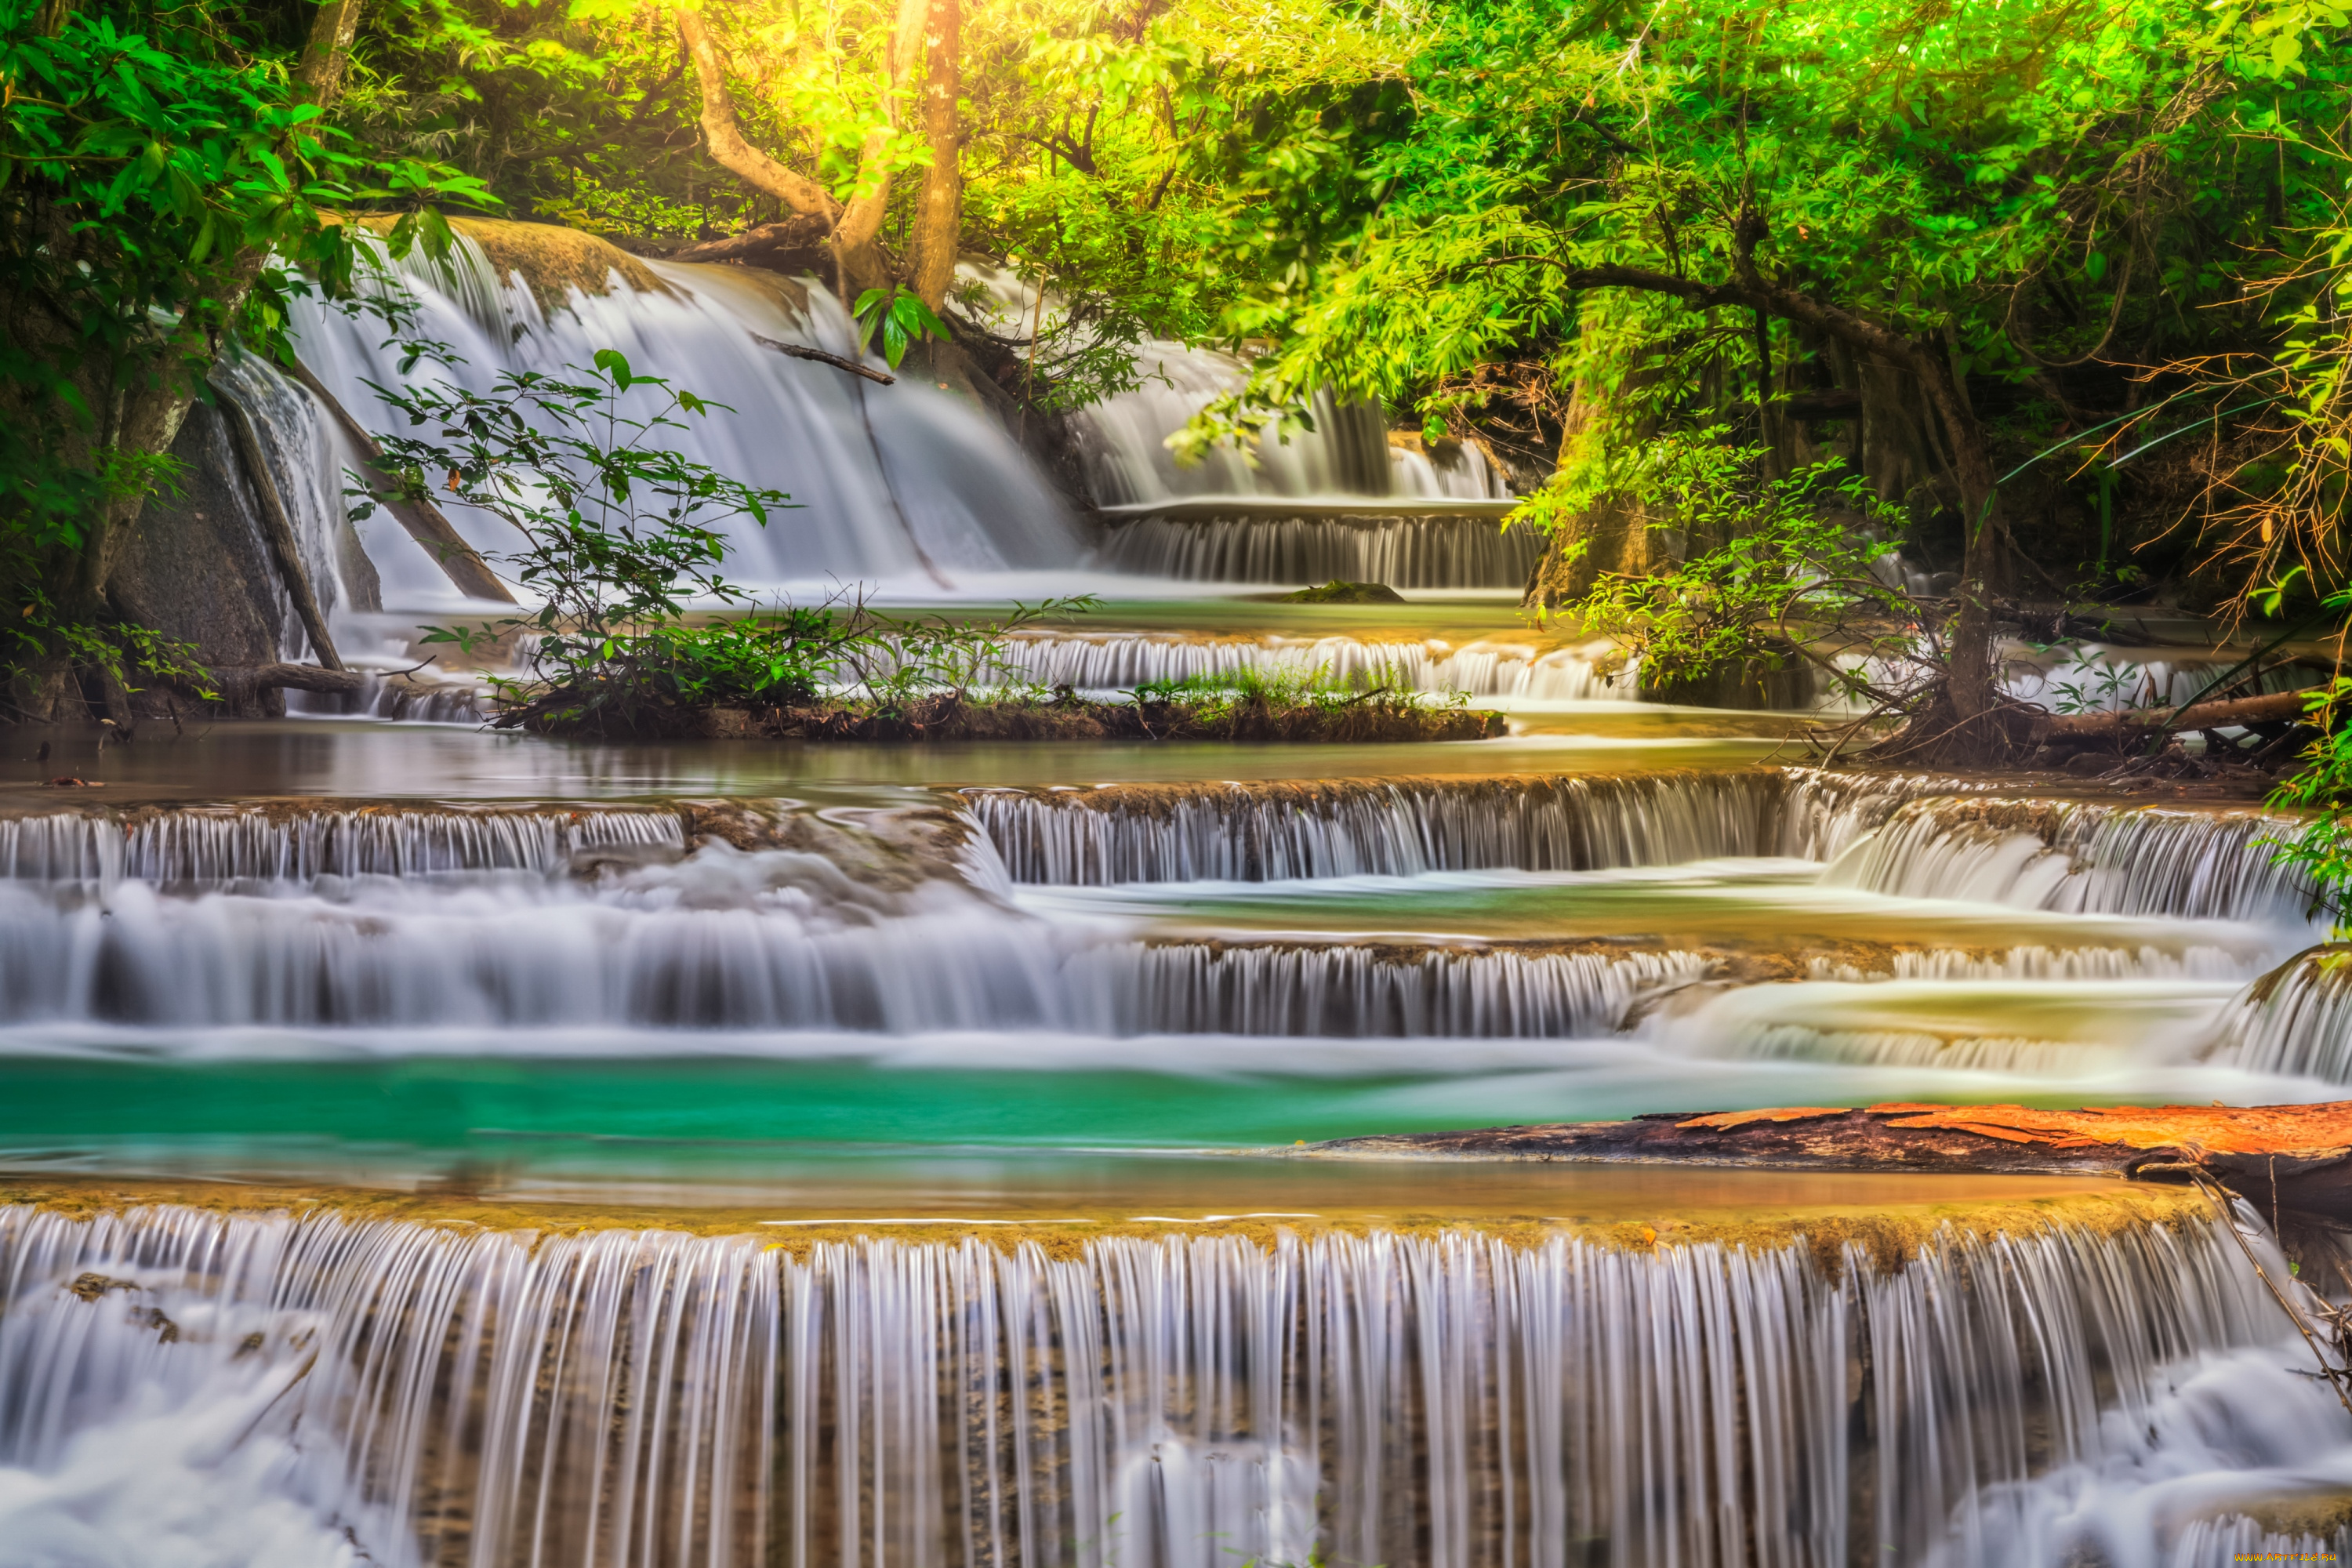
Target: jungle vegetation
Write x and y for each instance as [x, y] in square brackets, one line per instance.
[2049, 293]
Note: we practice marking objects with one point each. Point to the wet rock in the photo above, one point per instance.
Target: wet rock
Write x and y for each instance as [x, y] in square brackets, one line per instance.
[2295, 1158]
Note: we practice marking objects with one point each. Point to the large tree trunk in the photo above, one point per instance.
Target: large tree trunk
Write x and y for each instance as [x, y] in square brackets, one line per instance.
[1973, 689]
[930, 267]
[146, 416]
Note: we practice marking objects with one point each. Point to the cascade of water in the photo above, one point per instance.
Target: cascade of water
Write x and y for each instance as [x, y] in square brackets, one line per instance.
[721, 937]
[2295, 1021]
[1347, 453]
[1422, 553]
[1118, 661]
[957, 491]
[294, 442]
[209, 847]
[1444, 1399]
[1345, 991]
[1229, 832]
[2097, 679]
[2038, 962]
[409, 700]
[2041, 1024]
[2083, 857]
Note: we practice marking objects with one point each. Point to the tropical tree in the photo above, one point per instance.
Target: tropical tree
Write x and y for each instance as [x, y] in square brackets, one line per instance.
[162, 190]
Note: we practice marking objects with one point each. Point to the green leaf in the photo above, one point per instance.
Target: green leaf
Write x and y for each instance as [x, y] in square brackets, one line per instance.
[614, 364]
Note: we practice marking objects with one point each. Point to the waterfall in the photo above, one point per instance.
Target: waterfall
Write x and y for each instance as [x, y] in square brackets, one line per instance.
[2096, 679]
[2033, 1024]
[208, 847]
[427, 1393]
[294, 441]
[2086, 857]
[1422, 553]
[1352, 990]
[1347, 453]
[2295, 1021]
[1118, 661]
[949, 488]
[2196, 961]
[1271, 832]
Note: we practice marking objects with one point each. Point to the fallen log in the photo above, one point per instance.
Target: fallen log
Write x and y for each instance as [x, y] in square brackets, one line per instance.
[422, 518]
[2278, 1157]
[237, 681]
[791, 245]
[2275, 708]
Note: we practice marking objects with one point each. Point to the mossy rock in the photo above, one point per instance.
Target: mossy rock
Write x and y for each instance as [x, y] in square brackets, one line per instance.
[1335, 592]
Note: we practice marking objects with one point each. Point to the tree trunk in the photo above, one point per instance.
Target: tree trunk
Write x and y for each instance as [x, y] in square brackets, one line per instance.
[725, 140]
[854, 249]
[146, 416]
[930, 267]
[1973, 689]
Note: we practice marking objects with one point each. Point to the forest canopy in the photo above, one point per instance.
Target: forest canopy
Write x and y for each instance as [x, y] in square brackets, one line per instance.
[2061, 281]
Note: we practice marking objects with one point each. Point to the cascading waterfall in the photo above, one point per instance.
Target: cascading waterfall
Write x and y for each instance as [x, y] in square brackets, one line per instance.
[292, 435]
[949, 492]
[1347, 452]
[2295, 1021]
[378, 916]
[1418, 552]
[1344, 991]
[209, 847]
[1183, 833]
[2039, 962]
[426, 1395]
[1121, 661]
[2031, 1023]
[2088, 858]
[560, 920]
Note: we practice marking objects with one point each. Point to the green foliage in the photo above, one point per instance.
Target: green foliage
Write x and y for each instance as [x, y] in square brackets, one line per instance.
[901, 316]
[2033, 183]
[39, 633]
[160, 189]
[625, 540]
[901, 660]
[1217, 696]
[2321, 786]
[621, 534]
[1783, 569]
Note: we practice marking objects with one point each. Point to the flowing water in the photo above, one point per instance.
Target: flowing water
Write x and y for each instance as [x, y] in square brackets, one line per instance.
[423, 1146]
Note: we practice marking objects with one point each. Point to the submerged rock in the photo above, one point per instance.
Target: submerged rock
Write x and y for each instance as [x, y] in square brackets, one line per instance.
[1336, 591]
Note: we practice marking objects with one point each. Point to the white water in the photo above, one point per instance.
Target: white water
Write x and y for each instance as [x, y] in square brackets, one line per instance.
[2085, 856]
[949, 487]
[1345, 456]
[1439, 1398]
[1118, 661]
[1271, 833]
[1409, 553]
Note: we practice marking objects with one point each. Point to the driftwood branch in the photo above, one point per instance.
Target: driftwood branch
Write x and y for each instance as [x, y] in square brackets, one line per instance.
[422, 518]
[279, 528]
[2268, 709]
[797, 351]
